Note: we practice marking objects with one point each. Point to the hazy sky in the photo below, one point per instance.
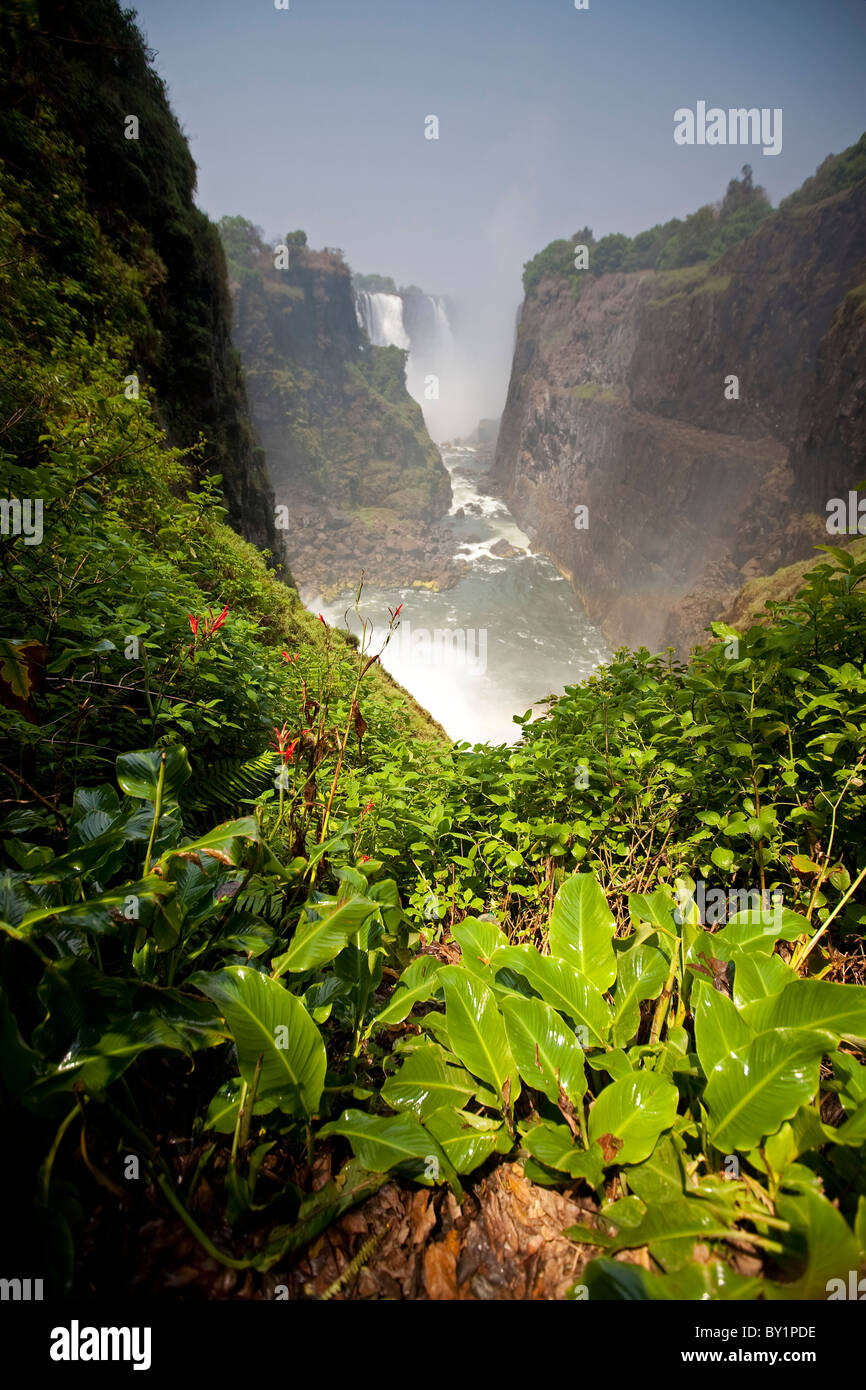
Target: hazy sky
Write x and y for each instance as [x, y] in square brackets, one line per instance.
[549, 118]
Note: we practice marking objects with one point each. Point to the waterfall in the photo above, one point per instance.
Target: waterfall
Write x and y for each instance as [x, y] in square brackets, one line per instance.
[381, 317]
[442, 330]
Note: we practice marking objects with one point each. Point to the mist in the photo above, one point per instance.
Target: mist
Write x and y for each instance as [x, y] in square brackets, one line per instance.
[549, 119]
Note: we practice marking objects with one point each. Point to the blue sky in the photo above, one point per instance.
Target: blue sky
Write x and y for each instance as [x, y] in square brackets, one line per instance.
[550, 118]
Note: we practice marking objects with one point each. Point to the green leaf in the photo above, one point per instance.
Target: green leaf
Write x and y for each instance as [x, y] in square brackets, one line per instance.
[719, 1028]
[227, 843]
[823, 1249]
[609, 1280]
[656, 908]
[563, 987]
[476, 1030]
[554, 1145]
[758, 976]
[99, 1064]
[810, 1005]
[658, 1178]
[467, 1140]
[416, 985]
[322, 933]
[222, 1113]
[671, 1229]
[641, 974]
[265, 1020]
[581, 929]
[383, 1143]
[630, 1114]
[548, 1055]
[756, 1087]
[478, 939]
[425, 1083]
[760, 930]
[138, 773]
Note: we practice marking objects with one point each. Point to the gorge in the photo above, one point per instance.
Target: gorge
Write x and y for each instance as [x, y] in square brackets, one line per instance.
[623, 400]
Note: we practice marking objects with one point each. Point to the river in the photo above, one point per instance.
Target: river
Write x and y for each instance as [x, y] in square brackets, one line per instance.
[509, 633]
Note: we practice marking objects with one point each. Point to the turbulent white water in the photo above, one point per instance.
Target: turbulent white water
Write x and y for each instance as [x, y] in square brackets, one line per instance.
[381, 316]
[510, 633]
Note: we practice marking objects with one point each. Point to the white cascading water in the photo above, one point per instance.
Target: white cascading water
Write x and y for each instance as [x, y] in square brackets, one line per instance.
[444, 336]
[432, 353]
[381, 317]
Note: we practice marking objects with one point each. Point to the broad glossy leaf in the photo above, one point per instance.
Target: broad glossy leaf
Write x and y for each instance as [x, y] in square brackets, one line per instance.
[581, 929]
[630, 1114]
[563, 987]
[671, 1229]
[228, 843]
[641, 974]
[476, 1030]
[466, 1139]
[426, 1083]
[824, 1248]
[479, 939]
[322, 933]
[613, 1281]
[547, 1053]
[265, 1019]
[659, 1178]
[758, 976]
[555, 1146]
[758, 1086]
[657, 908]
[719, 1028]
[99, 1064]
[416, 985]
[759, 931]
[222, 1113]
[383, 1143]
[810, 1005]
[138, 773]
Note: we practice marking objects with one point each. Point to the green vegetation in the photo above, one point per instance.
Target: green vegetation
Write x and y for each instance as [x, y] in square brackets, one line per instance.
[257, 919]
[703, 237]
[66, 87]
[838, 172]
[376, 284]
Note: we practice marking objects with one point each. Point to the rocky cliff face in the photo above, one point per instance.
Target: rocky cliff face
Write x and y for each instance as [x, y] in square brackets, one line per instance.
[618, 404]
[348, 452]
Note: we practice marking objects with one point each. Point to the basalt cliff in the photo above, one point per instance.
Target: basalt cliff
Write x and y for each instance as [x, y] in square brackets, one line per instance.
[352, 465]
[623, 401]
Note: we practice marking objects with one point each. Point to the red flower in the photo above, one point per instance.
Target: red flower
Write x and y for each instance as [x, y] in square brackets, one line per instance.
[321, 620]
[212, 624]
[216, 623]
[284, 746]
[396, 613]
[364, 858]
